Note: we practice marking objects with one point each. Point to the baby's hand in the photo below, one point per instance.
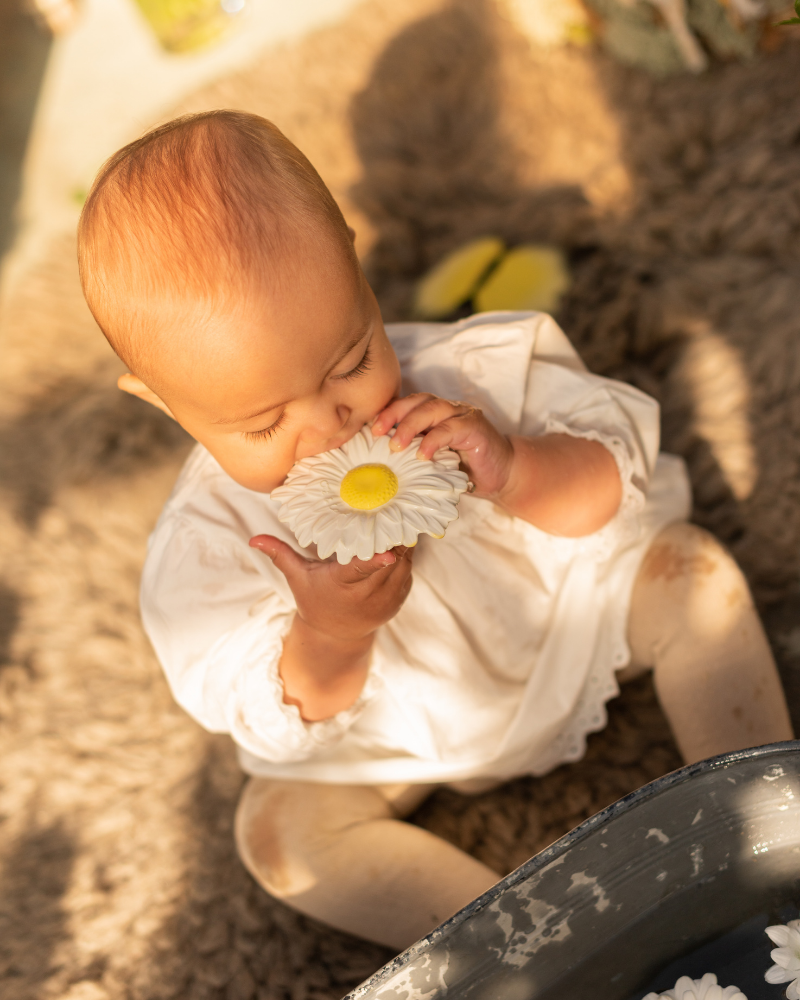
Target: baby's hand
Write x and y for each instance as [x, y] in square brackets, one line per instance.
[485, 453]
[344, 603]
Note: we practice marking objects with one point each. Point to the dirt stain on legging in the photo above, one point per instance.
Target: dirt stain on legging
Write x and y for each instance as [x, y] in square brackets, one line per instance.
[261, 840]
[666, 561]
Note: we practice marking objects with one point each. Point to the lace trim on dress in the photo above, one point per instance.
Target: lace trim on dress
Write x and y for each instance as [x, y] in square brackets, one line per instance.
[601, 686]
[269, 728]
[590, 716]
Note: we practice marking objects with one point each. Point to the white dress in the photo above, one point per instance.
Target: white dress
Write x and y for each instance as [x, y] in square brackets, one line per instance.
[502, 658]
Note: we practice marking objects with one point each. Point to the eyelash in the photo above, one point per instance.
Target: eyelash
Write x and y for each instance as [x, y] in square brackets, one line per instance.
[266, 433]
[361, 368]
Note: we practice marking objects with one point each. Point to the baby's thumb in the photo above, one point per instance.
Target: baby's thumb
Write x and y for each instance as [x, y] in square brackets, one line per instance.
[283, 555]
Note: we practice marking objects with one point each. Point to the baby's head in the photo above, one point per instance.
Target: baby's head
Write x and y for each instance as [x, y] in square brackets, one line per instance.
[223, 274]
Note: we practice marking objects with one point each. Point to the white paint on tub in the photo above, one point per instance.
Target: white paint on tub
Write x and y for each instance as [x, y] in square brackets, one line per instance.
[582, 879]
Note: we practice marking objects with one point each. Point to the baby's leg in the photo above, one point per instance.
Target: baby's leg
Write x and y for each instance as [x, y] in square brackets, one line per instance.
[341, 854]
[692, 620]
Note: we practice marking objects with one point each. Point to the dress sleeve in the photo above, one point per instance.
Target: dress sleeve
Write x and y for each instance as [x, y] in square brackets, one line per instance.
[217, 620]
[561, 397]
[522, 371]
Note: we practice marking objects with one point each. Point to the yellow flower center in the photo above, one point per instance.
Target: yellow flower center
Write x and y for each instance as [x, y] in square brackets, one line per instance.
[368, 486]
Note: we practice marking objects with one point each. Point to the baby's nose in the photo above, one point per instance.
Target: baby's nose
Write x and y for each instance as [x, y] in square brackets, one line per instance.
[329, 424]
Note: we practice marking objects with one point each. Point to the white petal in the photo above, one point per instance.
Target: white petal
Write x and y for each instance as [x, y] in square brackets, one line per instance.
[776, 974]
[359, 449]
[449, 459]
[388, 533]
[416, 519]
[431, 505]
[436, 484]
[365, 548]
[389, 539]
[793, 991]
[327, 541]
[410, 535]
[389, 513]
[780, 934]
[307, 517]
[785, 957]
[349, 532]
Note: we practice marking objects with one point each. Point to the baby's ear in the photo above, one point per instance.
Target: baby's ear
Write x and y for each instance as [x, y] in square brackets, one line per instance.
[352, 234]
[135, 386]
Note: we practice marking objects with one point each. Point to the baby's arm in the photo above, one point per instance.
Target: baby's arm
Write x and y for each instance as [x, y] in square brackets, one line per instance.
[326, 653]
[565, 485]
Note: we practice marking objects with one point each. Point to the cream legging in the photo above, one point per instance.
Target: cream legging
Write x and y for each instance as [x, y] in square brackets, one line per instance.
[342, 853]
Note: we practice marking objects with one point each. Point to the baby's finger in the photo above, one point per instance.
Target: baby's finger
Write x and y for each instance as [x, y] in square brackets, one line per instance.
[425, 416]
[401, 569]
[360, 569]
[398, 409]
[457, 433]
[283, 555]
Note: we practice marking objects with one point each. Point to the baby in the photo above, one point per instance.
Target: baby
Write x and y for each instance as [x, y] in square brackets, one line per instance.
[222, 272]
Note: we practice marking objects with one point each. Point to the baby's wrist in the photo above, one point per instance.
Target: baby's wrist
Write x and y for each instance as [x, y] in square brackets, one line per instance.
[517, 481]
[321, 674]
[504, 477]
[342, 640]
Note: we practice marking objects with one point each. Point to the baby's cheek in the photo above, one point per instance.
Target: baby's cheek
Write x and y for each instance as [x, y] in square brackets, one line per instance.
[381, 392]
[256, 466]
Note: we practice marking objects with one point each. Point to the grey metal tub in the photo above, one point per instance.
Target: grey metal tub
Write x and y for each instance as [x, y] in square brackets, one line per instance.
[679, 862]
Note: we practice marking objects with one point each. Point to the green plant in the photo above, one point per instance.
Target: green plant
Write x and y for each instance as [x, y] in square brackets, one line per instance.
[792, 20]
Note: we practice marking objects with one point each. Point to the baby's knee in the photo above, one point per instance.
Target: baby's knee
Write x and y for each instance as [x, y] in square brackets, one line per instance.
[259, 830]
[686, 558]
[689, 588]
[284, 829]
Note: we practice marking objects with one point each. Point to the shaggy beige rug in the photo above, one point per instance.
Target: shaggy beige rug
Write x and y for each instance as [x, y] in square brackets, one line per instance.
[432, 121]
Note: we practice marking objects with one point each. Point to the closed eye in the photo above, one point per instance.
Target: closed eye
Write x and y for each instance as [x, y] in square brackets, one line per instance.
[266, 433]
[361, 368]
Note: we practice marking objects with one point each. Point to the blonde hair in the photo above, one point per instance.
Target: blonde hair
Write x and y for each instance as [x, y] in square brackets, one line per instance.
[194, 214]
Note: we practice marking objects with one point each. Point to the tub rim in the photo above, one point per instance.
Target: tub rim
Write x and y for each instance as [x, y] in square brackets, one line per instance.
[546, 857]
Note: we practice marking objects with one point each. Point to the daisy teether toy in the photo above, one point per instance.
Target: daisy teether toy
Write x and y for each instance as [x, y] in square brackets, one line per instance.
[362, 498]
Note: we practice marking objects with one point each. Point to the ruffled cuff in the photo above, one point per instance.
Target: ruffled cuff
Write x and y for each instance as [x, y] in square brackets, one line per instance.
[263, 724]
[624, 525]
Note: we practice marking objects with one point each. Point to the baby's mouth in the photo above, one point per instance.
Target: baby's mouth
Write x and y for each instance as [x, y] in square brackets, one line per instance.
[343, 437]
[337, 441]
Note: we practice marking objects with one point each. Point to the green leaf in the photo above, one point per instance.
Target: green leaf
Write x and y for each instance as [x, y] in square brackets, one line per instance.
[793, 20]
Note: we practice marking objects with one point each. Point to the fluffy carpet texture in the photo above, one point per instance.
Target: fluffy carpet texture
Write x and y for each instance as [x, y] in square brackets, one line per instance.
[678, 203]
